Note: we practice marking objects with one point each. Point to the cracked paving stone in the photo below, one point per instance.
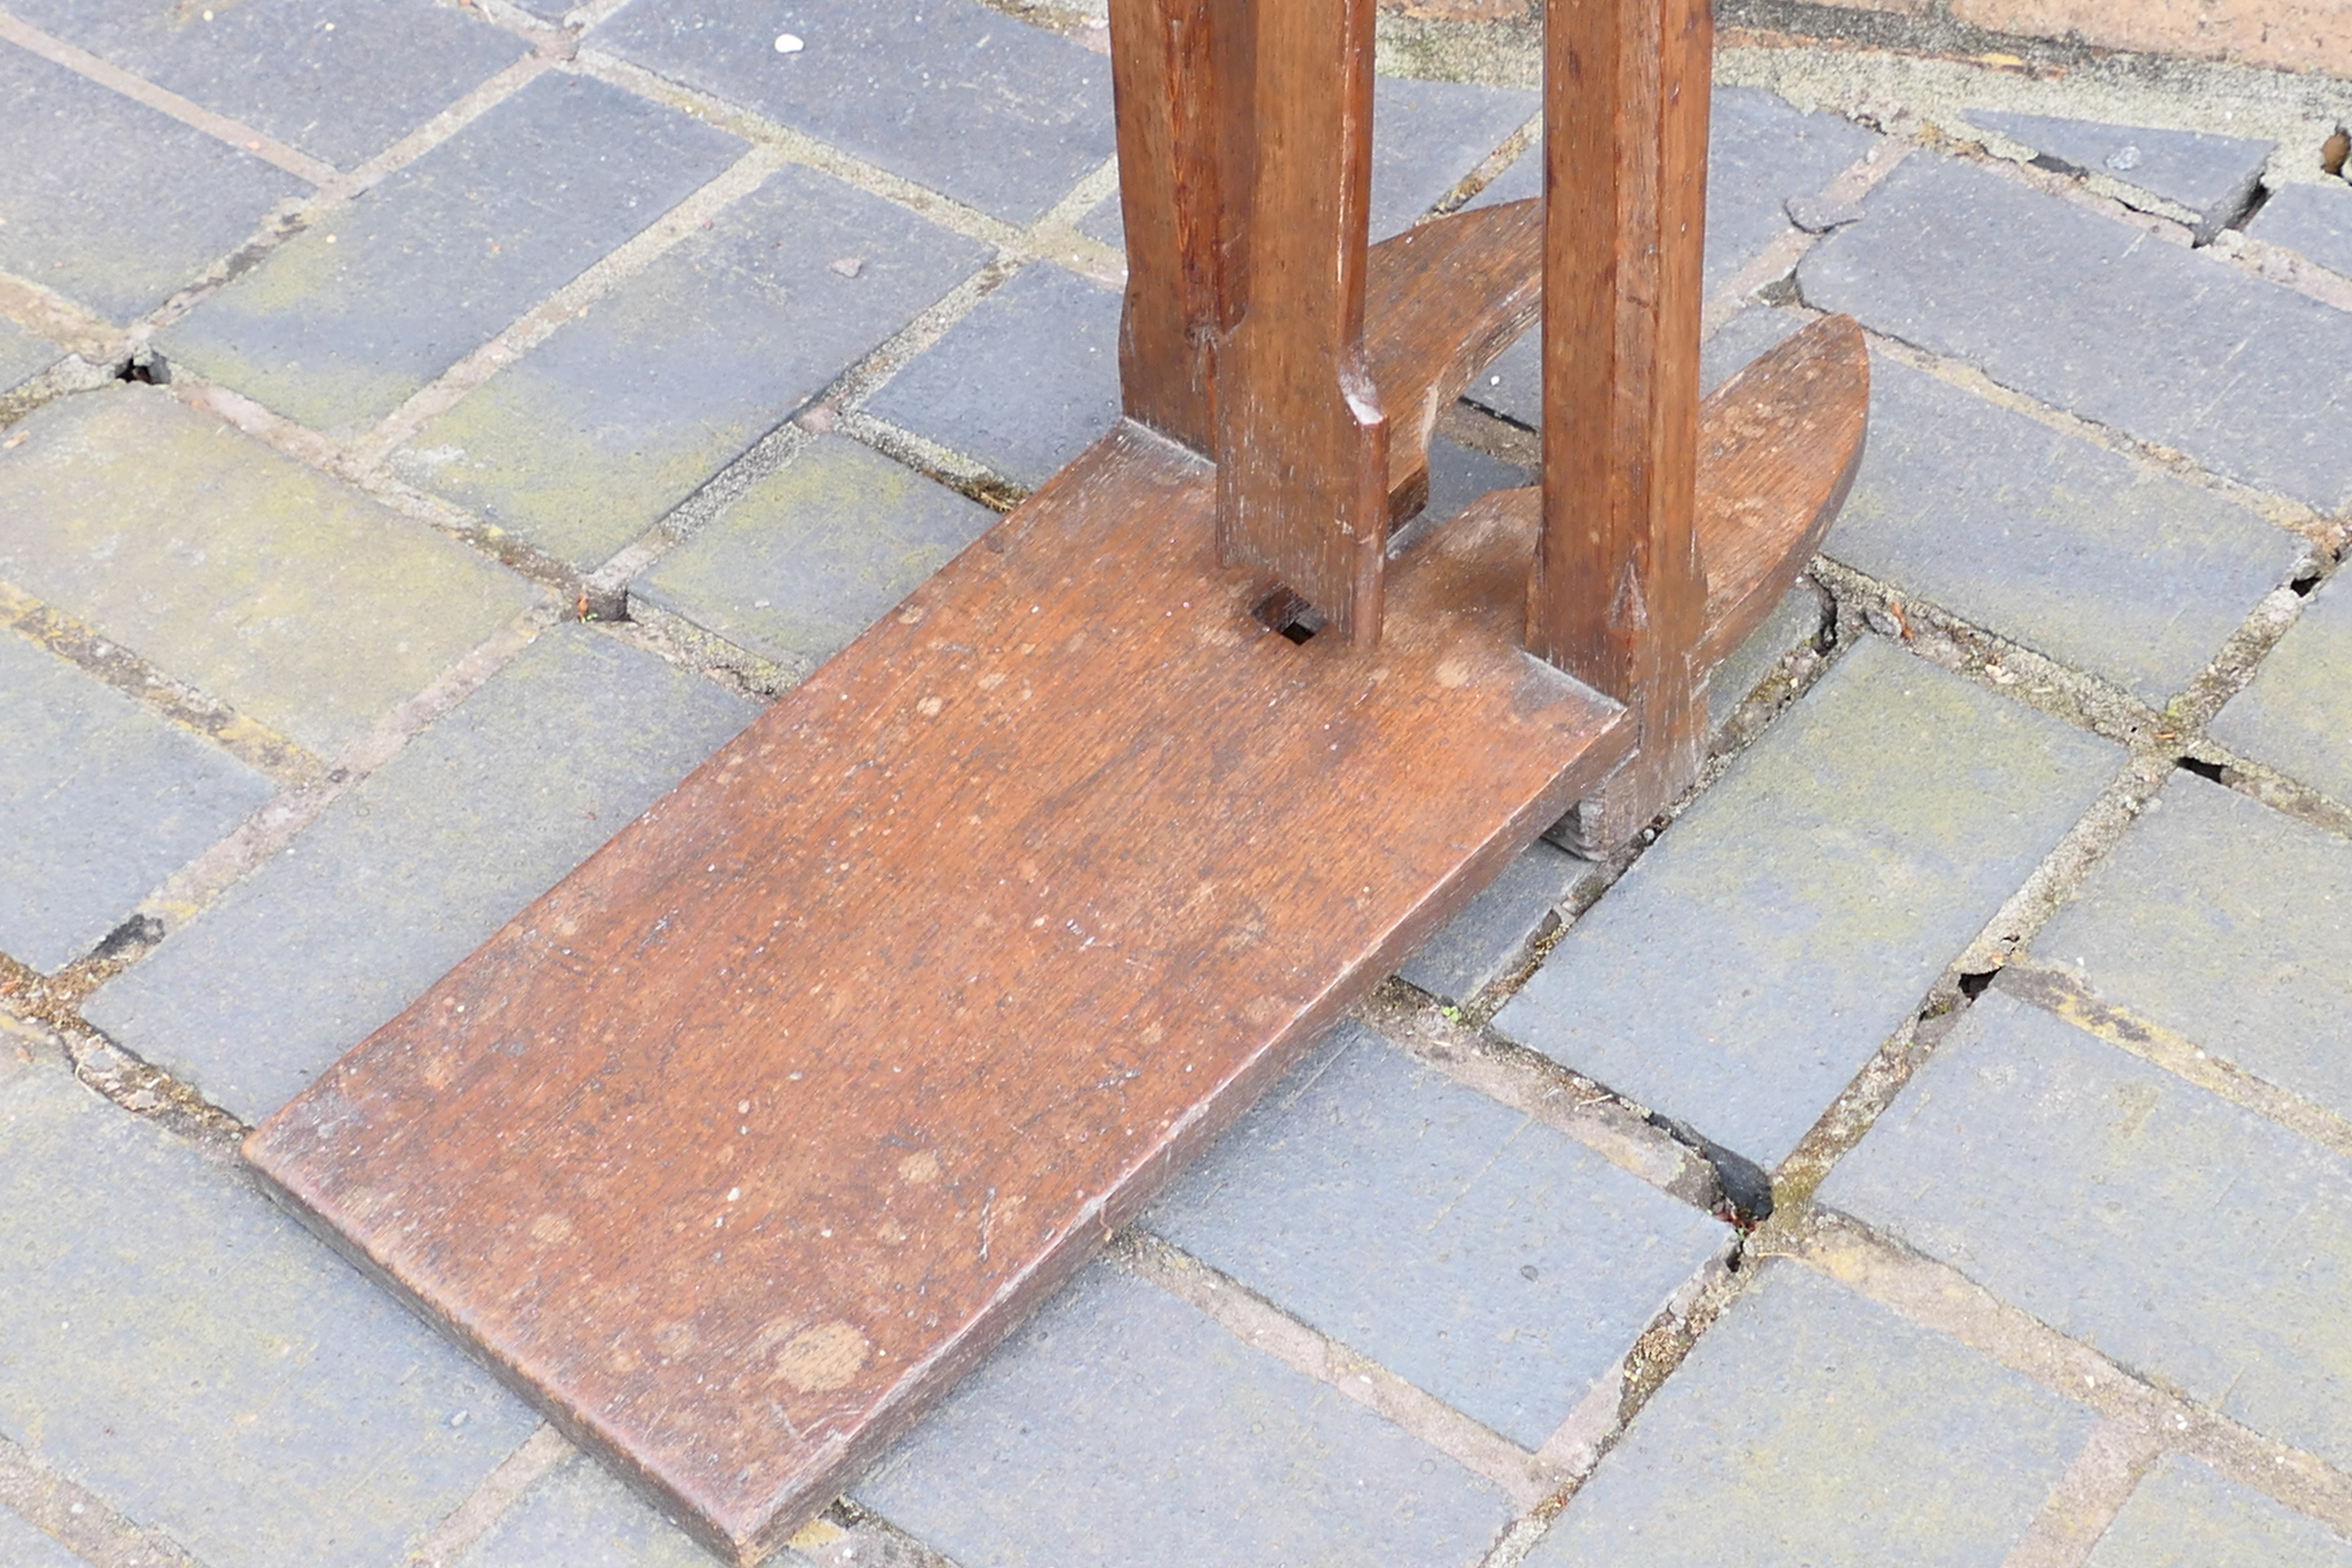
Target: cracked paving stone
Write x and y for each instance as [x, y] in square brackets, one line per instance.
[100, 800]
[340, 81]
[1806, 902]
[2189, 1239]
[2210, 919]
[414, 868]
[594, 434]
[2295, 715]
[303, 604]
[176, 1343]
[111, 204]
[348, 319]
[963, 100]
[1124, 1429]
[1475, 1252]
[2212, 176]
[814, 554]
[2005, 521]
[1809, 1425]
[2101, 320]
[2185, 1515]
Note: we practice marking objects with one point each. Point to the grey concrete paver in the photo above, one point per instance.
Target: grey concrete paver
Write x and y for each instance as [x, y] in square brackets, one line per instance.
[1762, 151]
[1749, 965]
[1122, 1428]
[1459, 475]
[414, 868]
[947, 93]
[342, 82]
[1428, 135]
[1024, 384]
[2212, 176]
[180, 1346]
[1797, 622]
[1478, 1254]
[2186, 1516]
[348, 319]
[598, 433]
[24, 354]
[2003, 520]
[1490, 936]
[116, 205]
[2295, 715]
[302, 603]
[1812, 1426]
[814, 554]
[2185, 1237]
[2314, 219]
[578, 1516]
[2098, 318]
[100, 800]
[2208, 919]
[22, 1546]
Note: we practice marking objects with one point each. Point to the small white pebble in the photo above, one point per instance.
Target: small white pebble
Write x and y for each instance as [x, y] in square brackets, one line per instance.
[743, 1108]
[789, 44]
[734, 1192]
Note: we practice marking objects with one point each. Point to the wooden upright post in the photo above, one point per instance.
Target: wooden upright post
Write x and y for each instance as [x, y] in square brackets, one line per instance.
[1619, 594]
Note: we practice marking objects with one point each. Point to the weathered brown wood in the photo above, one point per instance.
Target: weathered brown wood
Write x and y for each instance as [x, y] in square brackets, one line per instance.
[1302, 454]
[1618, 594]
[1183, 121]
[737, 1147]
[1440, 301]
[1779, 445]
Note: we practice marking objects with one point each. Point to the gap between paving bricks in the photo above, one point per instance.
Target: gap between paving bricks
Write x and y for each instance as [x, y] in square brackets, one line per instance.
[79, 1519]
[1942, 1299]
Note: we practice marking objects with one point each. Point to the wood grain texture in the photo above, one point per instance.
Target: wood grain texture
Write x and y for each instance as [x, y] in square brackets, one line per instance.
[741, 1144]
[1618, 592]
[1303, 450]
[1440, 300]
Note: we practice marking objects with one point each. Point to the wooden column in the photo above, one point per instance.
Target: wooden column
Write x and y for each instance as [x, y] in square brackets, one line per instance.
[1618, 592]
[1182, 103]
[1302, 480]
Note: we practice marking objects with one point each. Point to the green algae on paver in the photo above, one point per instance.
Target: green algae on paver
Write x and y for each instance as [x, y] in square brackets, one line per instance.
[1750, 963]
[814, 554]
[100, 800]
[346, 321]
[175, 1344]
[2186, 1516]
[2295, 715]
[624, 412]
[1122, 1428]
[2188, 1238]
[1812, 1426]
[418, 866]
[578, 1516]
[2091, 558]
[2228, 923]
[299, 603]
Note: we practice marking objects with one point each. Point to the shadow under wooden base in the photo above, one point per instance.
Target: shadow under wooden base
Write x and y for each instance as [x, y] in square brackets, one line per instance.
[739, 1147]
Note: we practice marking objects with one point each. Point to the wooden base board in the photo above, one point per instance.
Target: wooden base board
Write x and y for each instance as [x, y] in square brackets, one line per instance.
[736, 1149]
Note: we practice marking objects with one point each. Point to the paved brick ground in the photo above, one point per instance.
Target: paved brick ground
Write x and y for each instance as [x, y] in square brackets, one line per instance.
[1932, 1144]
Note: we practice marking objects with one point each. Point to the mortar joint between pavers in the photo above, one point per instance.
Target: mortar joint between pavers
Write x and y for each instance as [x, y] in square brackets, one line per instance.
[1944, 1300]
[2287, 268]
[49, 1007]
[1269, 1329]
[2089, 1495]
[79, 1519]
[798, 147]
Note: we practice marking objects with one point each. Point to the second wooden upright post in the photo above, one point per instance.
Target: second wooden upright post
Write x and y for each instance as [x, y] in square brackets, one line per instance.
[1618, 592]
